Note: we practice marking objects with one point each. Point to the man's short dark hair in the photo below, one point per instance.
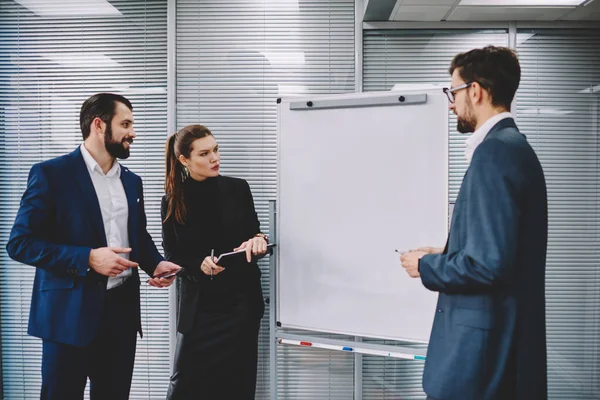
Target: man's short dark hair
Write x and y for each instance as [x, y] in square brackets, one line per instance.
[101, 105]
[496, 69]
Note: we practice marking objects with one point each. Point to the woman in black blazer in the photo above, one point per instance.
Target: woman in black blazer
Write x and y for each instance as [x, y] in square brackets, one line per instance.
[219, 308]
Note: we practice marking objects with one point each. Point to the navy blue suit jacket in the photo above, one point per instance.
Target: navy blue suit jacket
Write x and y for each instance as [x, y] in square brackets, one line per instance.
[488, 340]
[58, 223]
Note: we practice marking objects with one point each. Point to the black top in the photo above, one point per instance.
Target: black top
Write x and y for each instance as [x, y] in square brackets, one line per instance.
[219, 318]
[217, 217]
[220, 215]
[203, 230]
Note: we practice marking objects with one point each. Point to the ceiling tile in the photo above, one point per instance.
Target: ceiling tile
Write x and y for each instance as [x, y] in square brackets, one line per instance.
[591, 12]
[482, 13]
[420, 13]
[522, 3]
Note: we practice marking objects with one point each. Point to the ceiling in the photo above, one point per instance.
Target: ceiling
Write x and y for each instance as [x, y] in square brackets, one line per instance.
[482, 10]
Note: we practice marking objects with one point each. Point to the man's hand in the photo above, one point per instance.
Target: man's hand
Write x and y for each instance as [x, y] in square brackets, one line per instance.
[256, 245]
[107, 261]
[410, 262]
[431, 250]
[162, 268]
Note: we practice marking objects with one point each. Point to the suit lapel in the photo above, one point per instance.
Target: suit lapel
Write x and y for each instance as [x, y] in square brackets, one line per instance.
[88, 195]
[131, 193]
[133, 199]
[502, 124]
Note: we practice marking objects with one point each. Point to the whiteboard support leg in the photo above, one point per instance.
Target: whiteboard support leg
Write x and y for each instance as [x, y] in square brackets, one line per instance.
[358, 373]
[272, 304]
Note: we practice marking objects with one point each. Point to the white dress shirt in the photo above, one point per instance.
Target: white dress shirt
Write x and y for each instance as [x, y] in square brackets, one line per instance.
[113, 205]
[480, 134]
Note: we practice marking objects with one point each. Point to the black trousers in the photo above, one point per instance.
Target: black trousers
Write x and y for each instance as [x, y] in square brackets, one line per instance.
[107, 361]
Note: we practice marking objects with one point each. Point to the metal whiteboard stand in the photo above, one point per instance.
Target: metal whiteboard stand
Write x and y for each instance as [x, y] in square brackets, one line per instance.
[277, 336]
[272, 303]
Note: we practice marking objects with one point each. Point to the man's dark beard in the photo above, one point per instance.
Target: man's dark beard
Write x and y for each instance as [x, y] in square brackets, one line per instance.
[115, 149]
[465, 126]
[467, 123]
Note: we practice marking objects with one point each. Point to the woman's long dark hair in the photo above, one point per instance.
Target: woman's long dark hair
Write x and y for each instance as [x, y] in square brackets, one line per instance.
[179, 144]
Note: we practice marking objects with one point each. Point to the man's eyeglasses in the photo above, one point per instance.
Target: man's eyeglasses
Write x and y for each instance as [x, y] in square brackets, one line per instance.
[450, 91]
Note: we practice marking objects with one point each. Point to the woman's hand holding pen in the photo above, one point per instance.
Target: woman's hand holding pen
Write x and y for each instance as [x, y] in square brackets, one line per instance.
[209, 264]
[254, 246]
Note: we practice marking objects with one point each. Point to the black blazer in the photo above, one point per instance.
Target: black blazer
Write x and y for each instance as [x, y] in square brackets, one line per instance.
[239, 222]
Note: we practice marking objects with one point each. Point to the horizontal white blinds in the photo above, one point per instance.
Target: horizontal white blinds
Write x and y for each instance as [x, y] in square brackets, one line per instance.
[52, 58]
[415, 57]
[234, 59]
[558, 109]
[423, 57]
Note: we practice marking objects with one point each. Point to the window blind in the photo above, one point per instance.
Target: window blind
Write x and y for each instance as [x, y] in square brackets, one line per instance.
[234, 59]
[52, 58]
[558, 110]
[415, 57]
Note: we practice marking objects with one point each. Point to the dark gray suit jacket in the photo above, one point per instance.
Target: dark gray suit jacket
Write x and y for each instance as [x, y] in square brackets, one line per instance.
[489, 340]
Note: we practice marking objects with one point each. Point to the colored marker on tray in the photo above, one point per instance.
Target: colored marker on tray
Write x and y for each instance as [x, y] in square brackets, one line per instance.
[359, 350]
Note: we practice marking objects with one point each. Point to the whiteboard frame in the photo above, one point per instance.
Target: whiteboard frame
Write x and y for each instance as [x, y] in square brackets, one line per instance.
[300, 103]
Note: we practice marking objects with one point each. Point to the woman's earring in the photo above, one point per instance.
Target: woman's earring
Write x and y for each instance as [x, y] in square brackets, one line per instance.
[185, 173]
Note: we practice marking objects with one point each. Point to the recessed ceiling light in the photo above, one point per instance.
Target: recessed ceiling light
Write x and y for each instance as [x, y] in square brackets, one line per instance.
[72, 8]
[87, 60]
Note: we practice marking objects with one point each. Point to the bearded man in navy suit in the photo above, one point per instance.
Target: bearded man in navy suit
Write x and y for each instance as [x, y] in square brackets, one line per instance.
[82, 224]
[488, 340]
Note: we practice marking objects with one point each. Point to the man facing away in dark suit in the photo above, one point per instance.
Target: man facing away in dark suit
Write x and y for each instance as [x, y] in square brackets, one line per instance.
[82, 224]
[488, 340]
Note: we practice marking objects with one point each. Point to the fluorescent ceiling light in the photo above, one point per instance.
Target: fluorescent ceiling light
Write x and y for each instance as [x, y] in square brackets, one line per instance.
[418, 86]
[82, 60]
[138, 89]
[73, 8]
[545, 110]
[517, 3]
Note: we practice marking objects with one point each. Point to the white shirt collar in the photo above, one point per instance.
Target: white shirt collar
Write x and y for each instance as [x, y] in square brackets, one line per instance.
[92, 164]
[477, 137]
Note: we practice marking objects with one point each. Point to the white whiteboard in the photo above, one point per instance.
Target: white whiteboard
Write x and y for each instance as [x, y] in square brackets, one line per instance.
[355, 183]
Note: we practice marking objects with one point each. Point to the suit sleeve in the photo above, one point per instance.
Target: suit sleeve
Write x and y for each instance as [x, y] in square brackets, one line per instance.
[149, 255]
[30, 240]
[493, 194]
[172, 250]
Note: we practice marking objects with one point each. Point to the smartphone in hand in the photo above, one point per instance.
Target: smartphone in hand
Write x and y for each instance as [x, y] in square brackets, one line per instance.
[168, 274]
